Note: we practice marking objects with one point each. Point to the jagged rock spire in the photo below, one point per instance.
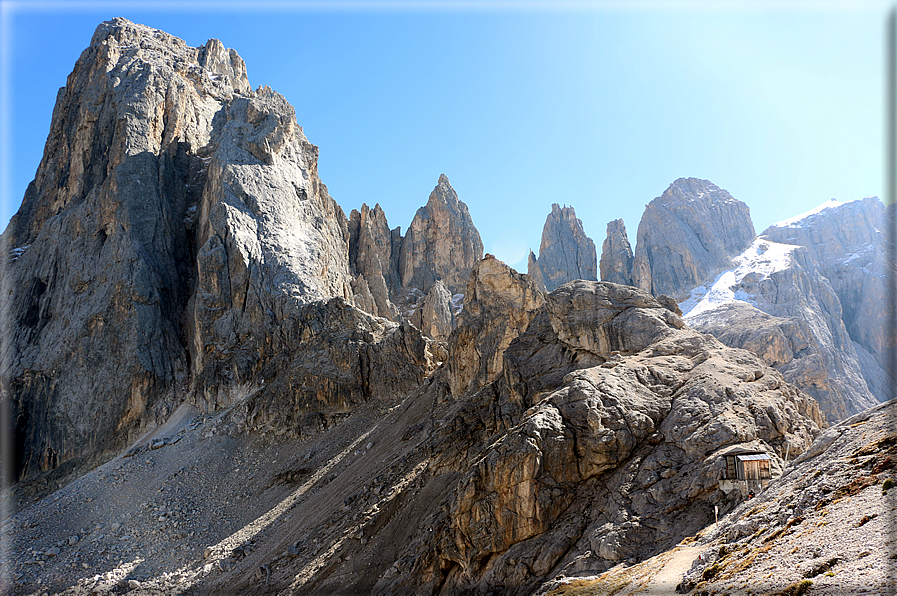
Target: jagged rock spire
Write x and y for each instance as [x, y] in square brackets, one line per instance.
[566, 253]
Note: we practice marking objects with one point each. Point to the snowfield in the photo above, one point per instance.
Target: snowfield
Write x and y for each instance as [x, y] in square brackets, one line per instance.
[758, 262]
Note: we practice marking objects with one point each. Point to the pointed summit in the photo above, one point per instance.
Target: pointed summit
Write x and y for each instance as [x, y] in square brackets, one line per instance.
[441, 243]
[566, 253]
[688, 234]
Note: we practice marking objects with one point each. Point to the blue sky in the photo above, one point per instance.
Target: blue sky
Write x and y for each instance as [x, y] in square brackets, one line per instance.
[599, 105]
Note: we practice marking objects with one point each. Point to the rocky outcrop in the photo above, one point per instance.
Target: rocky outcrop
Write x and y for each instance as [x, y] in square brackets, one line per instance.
[441, 243]
[184, 213]
[596, 444]
[435, 317]
[616, 255]
[688, 235]
[565, 254]
[500, 305]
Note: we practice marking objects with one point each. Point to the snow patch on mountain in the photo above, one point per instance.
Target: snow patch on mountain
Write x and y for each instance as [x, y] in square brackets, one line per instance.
[758, 262]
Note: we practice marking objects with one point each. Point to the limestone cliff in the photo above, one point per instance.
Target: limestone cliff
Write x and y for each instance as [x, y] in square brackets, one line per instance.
[804, 331]
[847, 242]
[595, 442]
[101, 249]
[616, 255]
[565, 254]
[168, 250]
[372, 260]
[441, 243]
[688, 235]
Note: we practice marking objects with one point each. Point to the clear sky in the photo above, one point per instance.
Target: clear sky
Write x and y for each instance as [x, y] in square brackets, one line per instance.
[598, 105]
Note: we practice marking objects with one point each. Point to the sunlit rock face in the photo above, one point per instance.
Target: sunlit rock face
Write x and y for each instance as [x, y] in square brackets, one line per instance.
[688, 234]
[779, 300]
[441, 243]
[565, 254]
[616, 255]
[175, 229]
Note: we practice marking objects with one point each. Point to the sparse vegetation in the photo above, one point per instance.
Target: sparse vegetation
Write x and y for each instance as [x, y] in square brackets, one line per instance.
[710, 572]
[886, 486]
[866, 518]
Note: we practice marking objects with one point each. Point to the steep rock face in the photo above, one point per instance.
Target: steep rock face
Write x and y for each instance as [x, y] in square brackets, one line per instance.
[372, 260]
[847, 243]
[565, 254]
[596, 443]
[687, 235]
[616, 255]
[441, 243]
[500, 304]
[802, 332]
[435, 317]
[184, 212]
[100, 249]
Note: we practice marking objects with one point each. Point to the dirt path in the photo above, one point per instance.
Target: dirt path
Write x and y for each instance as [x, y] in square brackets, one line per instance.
[669, 576]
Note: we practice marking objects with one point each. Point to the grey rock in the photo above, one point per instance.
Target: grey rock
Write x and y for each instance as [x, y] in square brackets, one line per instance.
[435, 318]
[616, 255]
[371, 258]
[441, 243]
[687, 235]
[185, 213]
[565, 254]
[847, 243]
[802, 332]
[590, 465]
[500, 305]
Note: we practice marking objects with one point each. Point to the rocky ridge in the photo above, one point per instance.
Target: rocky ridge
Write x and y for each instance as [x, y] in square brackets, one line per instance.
[782, 294]
[779, 300]
[616, 255]
[594, 443]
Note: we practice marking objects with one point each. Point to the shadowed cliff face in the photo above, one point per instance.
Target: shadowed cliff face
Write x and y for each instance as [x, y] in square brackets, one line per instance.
[176, 222]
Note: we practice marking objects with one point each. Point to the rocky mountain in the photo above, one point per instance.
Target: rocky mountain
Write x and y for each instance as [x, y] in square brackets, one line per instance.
[228, 386]
[848, 244]
[594, 441]
[566, 253]
[441, 243]
[781, 295]
[687, 235]
[779, 300]
[177, 221]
